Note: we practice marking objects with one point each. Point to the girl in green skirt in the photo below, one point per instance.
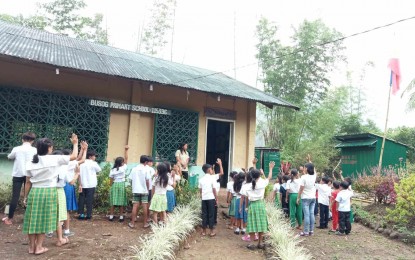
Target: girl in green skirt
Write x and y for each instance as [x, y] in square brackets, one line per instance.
[296, 211]
[276, 191]
[41, 214]
[159, 200]
[118, 196]
[257, 215]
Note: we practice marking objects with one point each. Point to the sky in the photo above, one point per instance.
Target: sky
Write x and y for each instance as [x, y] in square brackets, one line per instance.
[219, 34]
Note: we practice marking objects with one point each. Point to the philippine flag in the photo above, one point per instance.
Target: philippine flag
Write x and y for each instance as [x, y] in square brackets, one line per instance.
[395, 75]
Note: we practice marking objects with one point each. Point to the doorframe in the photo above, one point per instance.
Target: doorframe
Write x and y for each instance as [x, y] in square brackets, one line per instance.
[231, 140]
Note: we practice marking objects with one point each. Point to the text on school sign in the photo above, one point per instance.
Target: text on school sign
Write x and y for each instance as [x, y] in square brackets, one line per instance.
[129, 107]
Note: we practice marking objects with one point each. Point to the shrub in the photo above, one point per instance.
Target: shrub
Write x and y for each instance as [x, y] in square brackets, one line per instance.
[102, 191]
[378, 186]
[5, 195]
[404, 210]
[185, 193]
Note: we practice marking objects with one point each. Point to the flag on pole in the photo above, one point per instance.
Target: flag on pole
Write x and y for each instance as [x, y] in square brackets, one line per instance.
[395, 75]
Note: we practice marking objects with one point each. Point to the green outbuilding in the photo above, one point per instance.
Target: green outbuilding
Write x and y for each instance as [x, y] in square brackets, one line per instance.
[361, 152]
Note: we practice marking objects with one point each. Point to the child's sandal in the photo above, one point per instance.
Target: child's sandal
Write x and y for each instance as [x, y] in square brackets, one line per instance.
[251, 247]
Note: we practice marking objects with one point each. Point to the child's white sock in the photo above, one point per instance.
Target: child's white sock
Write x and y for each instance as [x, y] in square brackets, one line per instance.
[121, 217]
[237, 230]
[66, 231]
[111, 216]
[243, 230]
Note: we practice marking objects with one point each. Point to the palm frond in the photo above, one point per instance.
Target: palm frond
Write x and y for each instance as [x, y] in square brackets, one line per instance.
[409, 88]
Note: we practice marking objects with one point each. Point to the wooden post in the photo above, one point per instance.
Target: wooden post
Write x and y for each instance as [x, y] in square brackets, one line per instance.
[386, 129]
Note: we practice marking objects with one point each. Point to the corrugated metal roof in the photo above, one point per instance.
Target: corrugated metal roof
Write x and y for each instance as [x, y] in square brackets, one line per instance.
[62, 51]
[365, 136]
[357, 143]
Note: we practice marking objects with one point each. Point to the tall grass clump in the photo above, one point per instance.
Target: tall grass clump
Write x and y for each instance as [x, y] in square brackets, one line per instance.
[164, 240]
[285, 245]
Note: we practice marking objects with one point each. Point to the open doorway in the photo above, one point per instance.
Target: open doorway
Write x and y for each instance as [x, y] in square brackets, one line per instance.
[219, 145]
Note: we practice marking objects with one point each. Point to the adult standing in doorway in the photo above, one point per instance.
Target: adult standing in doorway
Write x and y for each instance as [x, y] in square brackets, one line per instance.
[182, 157]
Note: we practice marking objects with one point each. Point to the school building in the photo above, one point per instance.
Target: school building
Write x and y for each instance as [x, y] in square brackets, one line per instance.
[55, 85]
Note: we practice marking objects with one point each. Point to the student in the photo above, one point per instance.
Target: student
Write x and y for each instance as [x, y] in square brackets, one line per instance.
[283, 195]
[334, 212]
[140, 177]
[216, 179]
[152, 173]
[182, 157]
[324, 194]
[21, 155]
[307, 194]
[244, 200]
[296, 211]
[240, 213]
[42, 201]
[343, 206]
[174, 177]
[230, 198]
[118, 197]
[159, 201]
[209, 199]
[87, 185]
[349, 180]
[257, 215]
[276, 191]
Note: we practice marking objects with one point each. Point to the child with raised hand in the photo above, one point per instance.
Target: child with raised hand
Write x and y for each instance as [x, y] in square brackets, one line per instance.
[296, 211]
[240, 213]
[118, 196]
[42, 201]
[230, 198]
[333, 202]
[343, 207]
[244, 201]
[159, 201]
[207, 189]
[21, 155]
[257, 215]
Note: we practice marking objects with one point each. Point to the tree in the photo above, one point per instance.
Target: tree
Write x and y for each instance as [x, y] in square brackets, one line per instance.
[405, 135]
[35, 21]
[161, 22]
[410, 89]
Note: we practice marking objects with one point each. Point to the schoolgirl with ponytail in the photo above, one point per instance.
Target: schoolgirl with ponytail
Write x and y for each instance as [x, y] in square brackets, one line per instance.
[296, 211]
[257, 215]
[240, 213]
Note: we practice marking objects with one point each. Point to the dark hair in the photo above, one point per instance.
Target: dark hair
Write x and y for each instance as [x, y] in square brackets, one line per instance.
[143, 159]
[255, 175]
[66, 152]
[206, 167]
[162, 176]
[349, 180]
[318, 179]
[118, 163]
[310, 168]
[285, 178]
[90, 153]
[325, 179]
[248, 177]
[57, 152]
[344, 185]
[250, 169]
[336, 184]
[294, 173]
[149, 159]
[181, 147]
[239, 179]
[28, 137]
[232, 174]
[42, 146]
[168, 166]
[279, 178]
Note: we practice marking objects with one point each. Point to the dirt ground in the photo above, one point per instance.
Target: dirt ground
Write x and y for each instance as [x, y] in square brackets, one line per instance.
[101, 239]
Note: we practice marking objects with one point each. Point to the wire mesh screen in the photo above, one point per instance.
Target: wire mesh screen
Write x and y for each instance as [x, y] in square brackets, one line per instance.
[51, 115]
[172, 130]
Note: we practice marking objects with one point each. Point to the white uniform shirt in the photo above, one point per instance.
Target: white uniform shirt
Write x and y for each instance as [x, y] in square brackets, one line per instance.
[21, 155]
[139, 175]
[343, 198]
[308, 181]
[276, 187]
[170, 186]
[89, 170]
[152, 172]
[324, 194]
[159, 189]
[258, 192]
[293, 186]
[206, 183]
[229, 188]
[66, 173]
[44, 174]
[118, 175]
[183, 157]
[215, 178]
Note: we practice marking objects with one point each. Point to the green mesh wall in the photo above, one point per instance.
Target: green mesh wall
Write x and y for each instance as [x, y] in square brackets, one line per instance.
[51, 115]
[171, 130]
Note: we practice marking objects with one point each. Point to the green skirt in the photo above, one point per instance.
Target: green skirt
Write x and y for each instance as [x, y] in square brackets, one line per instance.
[118, 196]
[232, 207]
[62, 213]
[41, 214]
[257, 217]
[158, 203]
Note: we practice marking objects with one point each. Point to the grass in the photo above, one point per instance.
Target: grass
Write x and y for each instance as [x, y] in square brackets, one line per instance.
[164, 240]
[284, 244]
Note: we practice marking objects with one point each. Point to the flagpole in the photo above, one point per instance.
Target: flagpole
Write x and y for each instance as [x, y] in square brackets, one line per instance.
[384, 133]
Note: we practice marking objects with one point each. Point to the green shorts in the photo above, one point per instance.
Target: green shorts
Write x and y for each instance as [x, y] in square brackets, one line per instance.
[140, 198]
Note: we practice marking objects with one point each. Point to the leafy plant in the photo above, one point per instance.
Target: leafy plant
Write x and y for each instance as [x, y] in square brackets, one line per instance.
[284, 244]
[5, 194]
[185, 193]
[404, 210]
[163, 241]
[102, 191]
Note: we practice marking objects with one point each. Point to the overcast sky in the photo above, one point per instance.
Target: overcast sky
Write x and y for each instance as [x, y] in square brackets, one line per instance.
[204, 37]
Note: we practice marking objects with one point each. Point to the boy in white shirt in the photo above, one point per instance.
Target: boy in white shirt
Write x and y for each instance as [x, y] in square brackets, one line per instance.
[324, 194]
[343, 206]
[21, 155]
[140, 176]
[88, 183]
[216, 179]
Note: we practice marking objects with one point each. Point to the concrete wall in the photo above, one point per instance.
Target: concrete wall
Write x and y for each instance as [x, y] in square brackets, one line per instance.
[134, 128]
